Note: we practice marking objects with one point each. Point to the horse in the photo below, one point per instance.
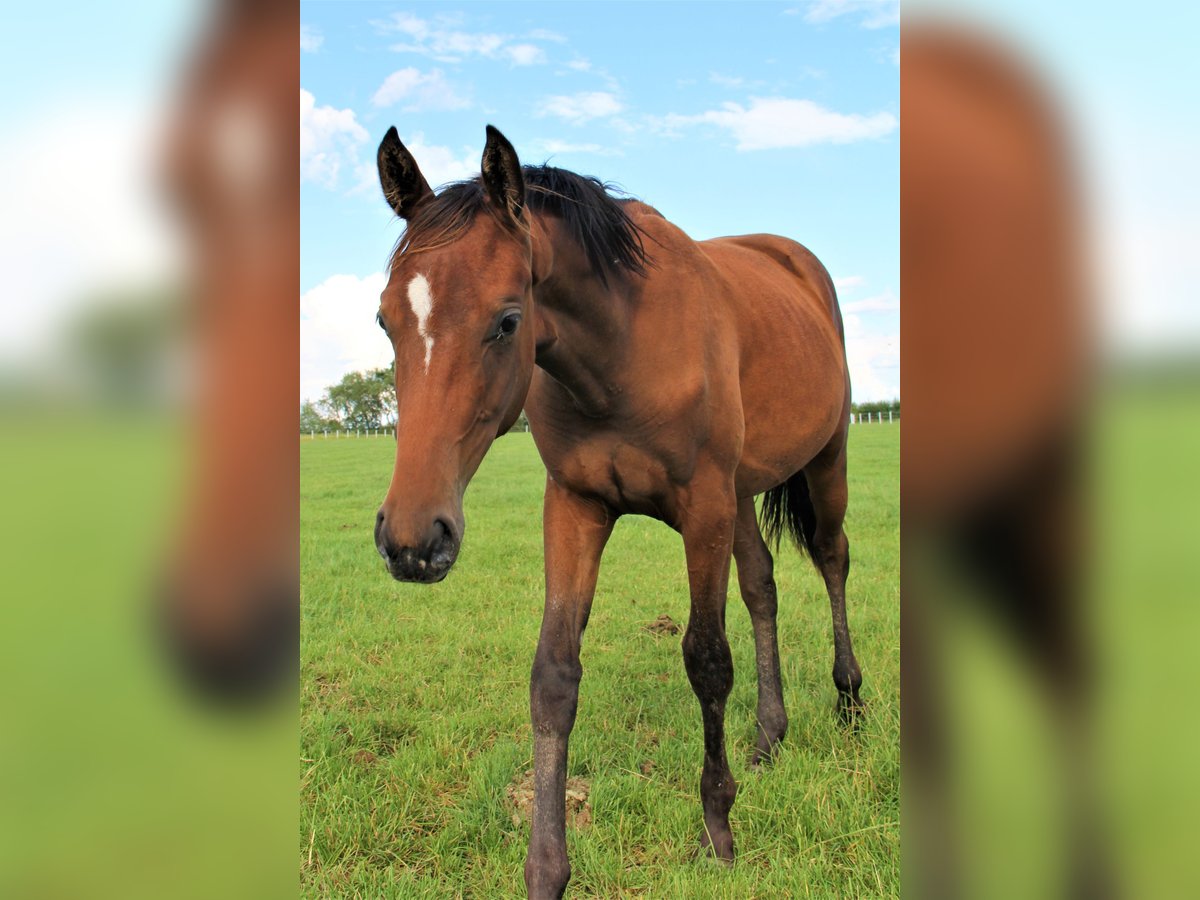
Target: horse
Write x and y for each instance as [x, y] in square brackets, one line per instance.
[661, 376]
[229, 605]
[993, 465]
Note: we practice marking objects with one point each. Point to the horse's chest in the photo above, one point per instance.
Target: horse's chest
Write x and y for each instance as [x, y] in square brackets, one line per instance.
[626, 478]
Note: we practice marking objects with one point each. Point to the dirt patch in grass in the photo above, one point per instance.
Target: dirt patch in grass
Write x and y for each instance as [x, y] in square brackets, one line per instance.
[664, 624]
[365, 758]
[579, 810]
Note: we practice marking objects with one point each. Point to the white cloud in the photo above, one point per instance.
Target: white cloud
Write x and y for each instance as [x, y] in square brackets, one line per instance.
[774, 122]
[440, 165]
[525, 54]
[422, 90]
[329, 141]
[870, 13]
[885, 302]
[545, 34]
[581, 107]
[78, 220]
[849, 281]
[726, 80]
[310, 39]
[338, 333]
[443, 39]
[874, 361]
[553, 145]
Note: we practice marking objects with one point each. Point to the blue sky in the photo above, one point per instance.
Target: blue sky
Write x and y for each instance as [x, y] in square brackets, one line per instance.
[730, 118]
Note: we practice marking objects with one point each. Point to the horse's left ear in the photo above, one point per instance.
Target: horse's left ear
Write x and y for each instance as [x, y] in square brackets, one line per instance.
[404, 186]
[502, 173]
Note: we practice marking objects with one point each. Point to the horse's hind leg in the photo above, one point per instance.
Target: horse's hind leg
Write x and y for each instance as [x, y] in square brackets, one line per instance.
[757, 582]
[826, 476]
[708, 527]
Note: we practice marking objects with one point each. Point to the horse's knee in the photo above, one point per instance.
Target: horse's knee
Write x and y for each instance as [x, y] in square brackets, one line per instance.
[708, 662]
[554, 693]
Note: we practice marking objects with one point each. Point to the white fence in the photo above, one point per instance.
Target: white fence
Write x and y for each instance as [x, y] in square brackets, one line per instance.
[862, 418]
[338, 434]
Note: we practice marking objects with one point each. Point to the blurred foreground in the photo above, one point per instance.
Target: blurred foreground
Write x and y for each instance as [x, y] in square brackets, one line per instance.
[150, 524]
[1047, 496]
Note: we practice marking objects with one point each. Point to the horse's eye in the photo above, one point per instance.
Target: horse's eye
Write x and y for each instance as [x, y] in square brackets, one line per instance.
[379, 321]
[508, 325]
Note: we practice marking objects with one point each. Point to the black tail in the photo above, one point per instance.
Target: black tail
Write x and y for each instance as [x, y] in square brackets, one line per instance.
[789, 508]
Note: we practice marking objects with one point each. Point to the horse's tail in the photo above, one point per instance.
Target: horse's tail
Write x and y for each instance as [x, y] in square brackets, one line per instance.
[788, 507]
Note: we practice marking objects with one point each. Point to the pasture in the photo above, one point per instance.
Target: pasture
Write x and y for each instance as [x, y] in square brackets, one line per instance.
[415, 711]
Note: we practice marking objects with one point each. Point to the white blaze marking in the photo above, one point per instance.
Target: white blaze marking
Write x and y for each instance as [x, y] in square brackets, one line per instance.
[421, 300]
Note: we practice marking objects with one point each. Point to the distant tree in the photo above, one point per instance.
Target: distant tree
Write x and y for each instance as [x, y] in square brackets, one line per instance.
[123, 344]
[313, 419]
[386, 381]
[363, 400]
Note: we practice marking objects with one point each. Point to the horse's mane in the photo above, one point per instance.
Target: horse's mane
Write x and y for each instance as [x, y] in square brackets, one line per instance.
[595, 218]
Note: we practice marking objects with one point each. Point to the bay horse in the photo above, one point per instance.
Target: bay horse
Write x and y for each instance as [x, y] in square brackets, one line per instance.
[230, 604]
[662, 377]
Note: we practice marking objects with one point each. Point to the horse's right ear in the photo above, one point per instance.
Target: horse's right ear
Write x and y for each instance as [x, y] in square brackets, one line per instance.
[404, 186]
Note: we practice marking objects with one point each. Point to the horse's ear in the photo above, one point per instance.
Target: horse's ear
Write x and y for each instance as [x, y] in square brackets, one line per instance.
[502, 173]
[403, 184]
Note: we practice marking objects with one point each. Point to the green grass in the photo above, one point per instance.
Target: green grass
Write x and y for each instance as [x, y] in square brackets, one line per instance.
[414, 702]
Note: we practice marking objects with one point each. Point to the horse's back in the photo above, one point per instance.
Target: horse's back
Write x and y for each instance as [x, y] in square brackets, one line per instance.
[797, 268]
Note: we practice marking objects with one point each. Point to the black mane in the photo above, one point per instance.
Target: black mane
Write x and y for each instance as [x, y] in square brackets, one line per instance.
[595, 218]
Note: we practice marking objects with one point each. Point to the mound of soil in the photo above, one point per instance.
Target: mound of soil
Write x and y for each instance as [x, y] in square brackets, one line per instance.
[664, 624]
[579, 811]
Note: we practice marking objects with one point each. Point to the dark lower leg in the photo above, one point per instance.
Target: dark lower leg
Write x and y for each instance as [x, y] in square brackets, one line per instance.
[757, 583]
[710, 669]
[833, 554]
[708, 544]
[554, 693]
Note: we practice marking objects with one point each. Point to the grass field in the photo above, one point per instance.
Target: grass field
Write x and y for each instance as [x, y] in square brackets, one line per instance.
[414, 703]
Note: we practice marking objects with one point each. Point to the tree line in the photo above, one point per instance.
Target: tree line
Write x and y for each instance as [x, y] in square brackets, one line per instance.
[367, 400]
[361, 400]
[877, 406]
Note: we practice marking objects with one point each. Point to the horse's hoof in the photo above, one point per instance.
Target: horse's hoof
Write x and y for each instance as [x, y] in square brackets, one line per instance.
[720, 850]
[851, 711]
[763, 758]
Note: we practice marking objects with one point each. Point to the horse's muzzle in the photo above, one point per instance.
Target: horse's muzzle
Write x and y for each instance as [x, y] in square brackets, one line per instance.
[424, 562]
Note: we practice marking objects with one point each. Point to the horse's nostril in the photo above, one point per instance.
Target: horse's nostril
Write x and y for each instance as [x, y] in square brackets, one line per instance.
[379, 532]
[442, 531]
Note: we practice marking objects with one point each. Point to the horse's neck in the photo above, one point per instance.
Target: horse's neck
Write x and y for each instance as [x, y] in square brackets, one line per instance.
[582, 322]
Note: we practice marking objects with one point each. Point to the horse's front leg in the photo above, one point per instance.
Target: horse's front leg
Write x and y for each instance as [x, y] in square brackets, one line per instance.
[708, 529]
[576, 531]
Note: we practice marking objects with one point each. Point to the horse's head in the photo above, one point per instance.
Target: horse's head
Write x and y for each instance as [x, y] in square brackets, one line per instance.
[458, 309]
